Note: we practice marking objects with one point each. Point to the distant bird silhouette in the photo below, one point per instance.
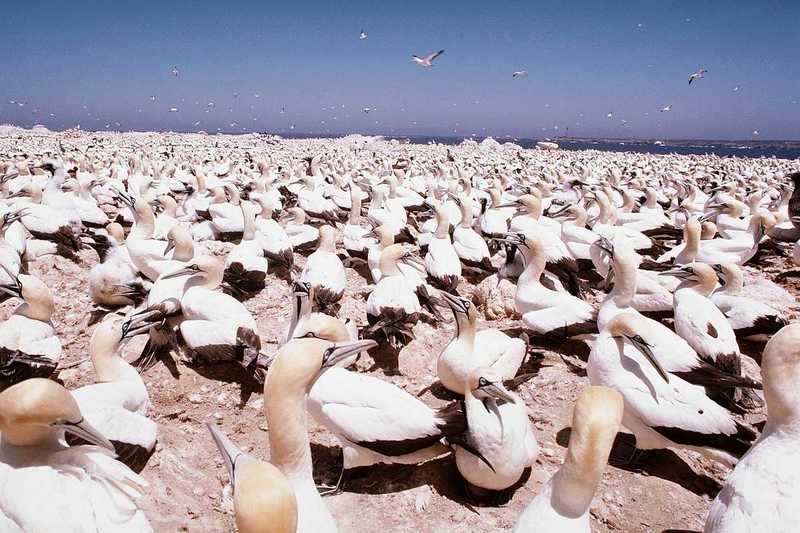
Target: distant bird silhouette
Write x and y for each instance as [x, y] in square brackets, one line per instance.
[700, 73]
[362, 35]
[667, 108]
[794, 201]
[426, 61]
[175, 71]
[519, 74]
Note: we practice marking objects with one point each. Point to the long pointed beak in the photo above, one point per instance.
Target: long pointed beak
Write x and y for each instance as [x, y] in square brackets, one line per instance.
[178, 273]
[230, 452]
[11, 289]
[453, 301]
[645, 350]
[85, 431]
[343, 350]
[605, 245]
[498, 392]
[129, 332]
[414, 262]
[18, 194]
[509, 204]
[170, 246]
[676, 272]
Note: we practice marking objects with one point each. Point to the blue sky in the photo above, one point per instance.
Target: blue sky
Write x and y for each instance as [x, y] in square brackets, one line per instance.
[98, 63]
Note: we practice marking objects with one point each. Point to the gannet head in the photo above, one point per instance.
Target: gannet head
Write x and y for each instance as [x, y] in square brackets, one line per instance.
[627, 327]
[301, 361]
[393, 255]
[595, 421]
[263, 500]
[206, 268]
[34, 411]
[322, 326]
[484, 383]
[780, 371]
[462, 308]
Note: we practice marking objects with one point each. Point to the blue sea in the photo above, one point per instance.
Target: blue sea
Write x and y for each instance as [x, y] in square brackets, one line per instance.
[728, 149]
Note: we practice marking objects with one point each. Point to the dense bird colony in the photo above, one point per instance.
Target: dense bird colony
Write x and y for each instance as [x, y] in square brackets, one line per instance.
[209, 333]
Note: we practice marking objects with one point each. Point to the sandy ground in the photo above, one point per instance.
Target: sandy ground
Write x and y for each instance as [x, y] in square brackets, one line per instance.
[186, 474]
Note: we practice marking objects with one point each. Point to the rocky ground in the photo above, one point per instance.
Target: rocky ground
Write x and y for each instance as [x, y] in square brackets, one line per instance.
[666, 491]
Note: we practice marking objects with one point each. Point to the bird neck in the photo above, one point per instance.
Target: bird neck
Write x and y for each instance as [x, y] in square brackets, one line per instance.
[355, 210]
[465, 331]
[144, 226]
[249, 225]
[290, 449]
[36, 310]
[534, 266]
[624, 283]
[442, 225]
[108, 366]
[301, 309]
[183, 250]
[575, 483]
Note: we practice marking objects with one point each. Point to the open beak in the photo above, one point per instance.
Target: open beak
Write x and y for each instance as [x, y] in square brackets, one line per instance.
[12, 289]
[13, 217]
[414, 262]
[641, 345]
[453, 301]
[129, 332]
[342, 350]
[605, 245]
[85, 431]
[18, 194]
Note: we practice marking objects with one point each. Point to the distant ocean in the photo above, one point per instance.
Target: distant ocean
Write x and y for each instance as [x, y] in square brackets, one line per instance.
[787, 150]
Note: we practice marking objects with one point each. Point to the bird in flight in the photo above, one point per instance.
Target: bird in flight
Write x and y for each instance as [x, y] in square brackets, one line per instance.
[610, 114]
[667, 108]
[519, 73]
[755, 133]
[697, 75]
[368, 109]
[426, 61]
[175, 71]
[153, 98]
[173, 109]
[362, 35]
[283, 110]
[735, 89]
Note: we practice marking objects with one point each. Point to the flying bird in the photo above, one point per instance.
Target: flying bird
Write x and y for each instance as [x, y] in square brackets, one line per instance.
[368, 109]
[362, 35]
[426, 61]
[755, 133]
[519, 74]
[667, 108]
[175, 71]
[735, 89]
[173, 109]
[610, 114]
[697, 75]
[283, 110]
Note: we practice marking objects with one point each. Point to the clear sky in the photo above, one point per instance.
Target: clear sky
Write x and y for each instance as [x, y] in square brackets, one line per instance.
[98, 63]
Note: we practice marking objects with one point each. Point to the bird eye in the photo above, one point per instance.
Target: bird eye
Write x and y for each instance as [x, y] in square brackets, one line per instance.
[482, 382]
[466, 304]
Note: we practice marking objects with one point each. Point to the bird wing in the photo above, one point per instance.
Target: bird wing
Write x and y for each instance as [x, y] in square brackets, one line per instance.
[434, 55]
[367, 410]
